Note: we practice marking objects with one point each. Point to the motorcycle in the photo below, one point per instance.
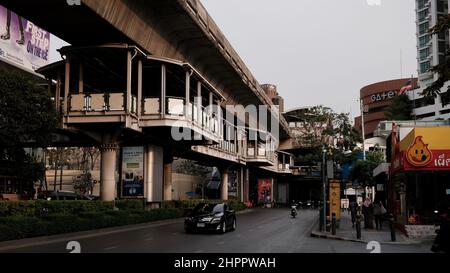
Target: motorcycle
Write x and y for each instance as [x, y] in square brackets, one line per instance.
[293, 211]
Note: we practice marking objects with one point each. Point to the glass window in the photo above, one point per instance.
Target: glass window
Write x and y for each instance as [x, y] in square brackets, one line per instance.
[424, 53]
[423, 14]
[421, 3]
[423, 28]
[424, 67]
[424, 40]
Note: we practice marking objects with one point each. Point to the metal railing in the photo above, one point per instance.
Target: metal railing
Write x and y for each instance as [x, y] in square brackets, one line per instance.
[100, 102]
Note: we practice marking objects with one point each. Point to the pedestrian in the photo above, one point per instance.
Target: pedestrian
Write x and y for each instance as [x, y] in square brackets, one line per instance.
[367, 210]
[378, 212]
[353, 208]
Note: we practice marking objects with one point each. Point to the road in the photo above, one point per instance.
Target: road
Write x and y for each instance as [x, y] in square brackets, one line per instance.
[259, 231]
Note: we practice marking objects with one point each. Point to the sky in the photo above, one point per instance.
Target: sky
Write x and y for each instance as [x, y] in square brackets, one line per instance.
[321, 52]
[318, 52]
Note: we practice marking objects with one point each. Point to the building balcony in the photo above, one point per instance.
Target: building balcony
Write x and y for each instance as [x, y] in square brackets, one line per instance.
[261, 148]
[120, 85]
[285, 162]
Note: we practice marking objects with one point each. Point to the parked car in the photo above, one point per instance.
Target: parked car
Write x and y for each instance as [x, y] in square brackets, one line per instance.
[63, 195]
[211, 217]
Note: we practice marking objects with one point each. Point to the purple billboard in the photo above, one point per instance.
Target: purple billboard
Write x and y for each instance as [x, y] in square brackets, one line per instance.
[22, 42]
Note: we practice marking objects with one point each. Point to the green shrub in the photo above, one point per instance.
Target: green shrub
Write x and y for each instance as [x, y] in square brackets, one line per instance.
[130, 204]
[8, 233]
[71, 207]
[17, 208]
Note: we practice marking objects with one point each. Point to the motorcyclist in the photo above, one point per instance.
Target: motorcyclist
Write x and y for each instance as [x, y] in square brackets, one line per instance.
[293, 209]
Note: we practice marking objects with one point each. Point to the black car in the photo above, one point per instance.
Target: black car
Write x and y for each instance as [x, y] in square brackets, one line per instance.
[64, 195]
[211, 217]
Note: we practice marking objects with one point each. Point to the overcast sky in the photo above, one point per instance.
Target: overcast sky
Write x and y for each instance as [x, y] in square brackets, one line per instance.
[320, 51]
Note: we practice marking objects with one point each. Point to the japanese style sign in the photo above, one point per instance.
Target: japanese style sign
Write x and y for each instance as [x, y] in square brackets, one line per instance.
[22, 42]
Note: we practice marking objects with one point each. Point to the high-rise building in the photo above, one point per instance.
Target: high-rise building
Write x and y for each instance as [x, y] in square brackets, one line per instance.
[430, 48]
[430, 52]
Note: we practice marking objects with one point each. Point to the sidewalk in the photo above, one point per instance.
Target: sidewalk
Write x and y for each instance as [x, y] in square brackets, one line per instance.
[345, 232]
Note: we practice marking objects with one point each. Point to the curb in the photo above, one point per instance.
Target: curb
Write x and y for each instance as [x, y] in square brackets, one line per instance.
[322, 235]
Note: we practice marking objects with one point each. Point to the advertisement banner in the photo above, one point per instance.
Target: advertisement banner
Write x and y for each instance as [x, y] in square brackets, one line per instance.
[132, 172]
[264, 191]
[22, 42]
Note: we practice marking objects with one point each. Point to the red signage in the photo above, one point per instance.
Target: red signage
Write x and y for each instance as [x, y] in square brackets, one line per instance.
[440, 161]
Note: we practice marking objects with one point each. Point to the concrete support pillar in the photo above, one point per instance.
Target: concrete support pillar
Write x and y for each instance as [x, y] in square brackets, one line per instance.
[168, 185]
[403, 211]
[66, 87]
[108, 172]
[224, 184]
[163, 91]
[241, 175]
[81, 79]
[129, 81]
[187, 108]
[154, 173]
[274, 192]
[246, 185]
[139, 96]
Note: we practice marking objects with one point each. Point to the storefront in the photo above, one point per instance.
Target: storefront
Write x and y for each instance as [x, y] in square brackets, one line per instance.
[420, 175]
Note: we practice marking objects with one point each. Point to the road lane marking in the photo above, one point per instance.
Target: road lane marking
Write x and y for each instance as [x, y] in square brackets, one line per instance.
[110, 248]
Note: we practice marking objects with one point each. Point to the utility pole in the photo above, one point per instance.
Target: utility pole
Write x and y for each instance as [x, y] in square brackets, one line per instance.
[324, 190]
[362, 130]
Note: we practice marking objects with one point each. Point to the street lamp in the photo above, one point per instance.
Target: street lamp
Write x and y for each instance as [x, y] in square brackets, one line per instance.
[324, 189]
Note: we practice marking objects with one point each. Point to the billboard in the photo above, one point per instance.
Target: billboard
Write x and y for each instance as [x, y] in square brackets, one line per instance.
[264, 191]
[22, 42]
[132, 172]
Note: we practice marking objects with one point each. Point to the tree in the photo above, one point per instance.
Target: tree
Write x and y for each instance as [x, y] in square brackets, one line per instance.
[362, 171]
[27, 113]
[443, 68]
[400, 108]
[27, 118]
[321, 126]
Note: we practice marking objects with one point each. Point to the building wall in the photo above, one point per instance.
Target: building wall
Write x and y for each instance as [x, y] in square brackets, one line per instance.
[272, 93]
[375, 99]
